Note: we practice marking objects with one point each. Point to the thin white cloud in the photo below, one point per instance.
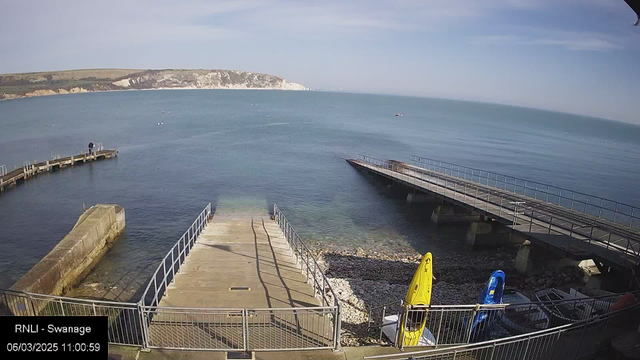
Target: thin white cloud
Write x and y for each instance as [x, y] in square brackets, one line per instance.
[586, 43]
[570, 40]
[496, 39]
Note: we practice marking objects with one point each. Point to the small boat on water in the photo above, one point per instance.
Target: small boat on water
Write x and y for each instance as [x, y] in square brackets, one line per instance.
[561, 309]
[521, 316]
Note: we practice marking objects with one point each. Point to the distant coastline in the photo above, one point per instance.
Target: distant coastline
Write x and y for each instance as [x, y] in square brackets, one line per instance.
[15, 86]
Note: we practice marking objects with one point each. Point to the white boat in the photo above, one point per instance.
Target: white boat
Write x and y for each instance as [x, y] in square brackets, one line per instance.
[564, 308]
[521, 316]
[390, 326]
[602, 300]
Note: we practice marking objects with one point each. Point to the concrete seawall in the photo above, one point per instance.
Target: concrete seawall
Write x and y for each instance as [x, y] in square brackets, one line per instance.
[76, 253]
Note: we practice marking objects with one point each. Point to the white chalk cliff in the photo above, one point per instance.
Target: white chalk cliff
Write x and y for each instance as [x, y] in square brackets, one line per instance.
[40, 84]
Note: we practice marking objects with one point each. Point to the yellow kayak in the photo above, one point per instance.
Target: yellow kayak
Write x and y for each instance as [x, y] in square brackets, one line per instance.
[412, 322]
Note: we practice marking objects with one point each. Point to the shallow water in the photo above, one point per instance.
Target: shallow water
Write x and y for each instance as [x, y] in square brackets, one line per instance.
[277, 147]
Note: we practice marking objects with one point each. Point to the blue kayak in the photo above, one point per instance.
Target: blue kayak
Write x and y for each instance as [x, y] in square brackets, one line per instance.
[491, 294]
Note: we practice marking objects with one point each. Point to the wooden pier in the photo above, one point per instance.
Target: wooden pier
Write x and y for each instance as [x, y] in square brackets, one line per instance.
[574, 234]
[29, 170]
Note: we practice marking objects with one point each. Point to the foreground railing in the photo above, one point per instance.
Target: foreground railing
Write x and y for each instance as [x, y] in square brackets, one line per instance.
[299, 328]
[611, 210]
[524, 213]
[462, 324]
[172, 262]
[313, 271]
[570, 341]
[124, 318]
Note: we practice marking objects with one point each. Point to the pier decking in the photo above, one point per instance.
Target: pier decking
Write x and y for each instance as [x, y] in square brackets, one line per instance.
[242, 286]
[579, 235]
[240, 262]
[29, 170]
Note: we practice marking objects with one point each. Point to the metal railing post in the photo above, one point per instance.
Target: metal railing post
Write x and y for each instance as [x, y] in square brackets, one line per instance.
[155, 286]
[531, 221]
[476, 197]
[600, 210]
[338, 326]
[493, 351]
[315, 270]
[547, 199]
[33, 307]
[324, 291]
[384, 313]
[439, 328]
[471, 321]
[173, 270]
[142, 317]
[164, 270]
[526, 349]
[307, 263]
[245, 330]
[573, 195]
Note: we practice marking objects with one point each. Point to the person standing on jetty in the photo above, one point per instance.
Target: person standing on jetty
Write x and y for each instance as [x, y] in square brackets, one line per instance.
[90, 147]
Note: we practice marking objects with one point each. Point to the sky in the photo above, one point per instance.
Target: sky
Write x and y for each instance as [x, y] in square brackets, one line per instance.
[576, 56]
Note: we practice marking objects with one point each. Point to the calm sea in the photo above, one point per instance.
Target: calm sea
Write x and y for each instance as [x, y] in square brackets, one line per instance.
[180, 150]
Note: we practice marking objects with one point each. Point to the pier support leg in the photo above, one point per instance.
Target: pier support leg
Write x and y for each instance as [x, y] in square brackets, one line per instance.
[490, 234]
[532, 259]
[422, 198]
[448, 214]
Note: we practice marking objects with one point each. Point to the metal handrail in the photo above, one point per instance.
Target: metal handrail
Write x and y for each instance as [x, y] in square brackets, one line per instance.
[306, 257]
[469, 173]
[188, 240]
[573, 229]
[124, 326]
[512, 339]
[300, 249]
[485, 192]
[64, 298]
[635, 293]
